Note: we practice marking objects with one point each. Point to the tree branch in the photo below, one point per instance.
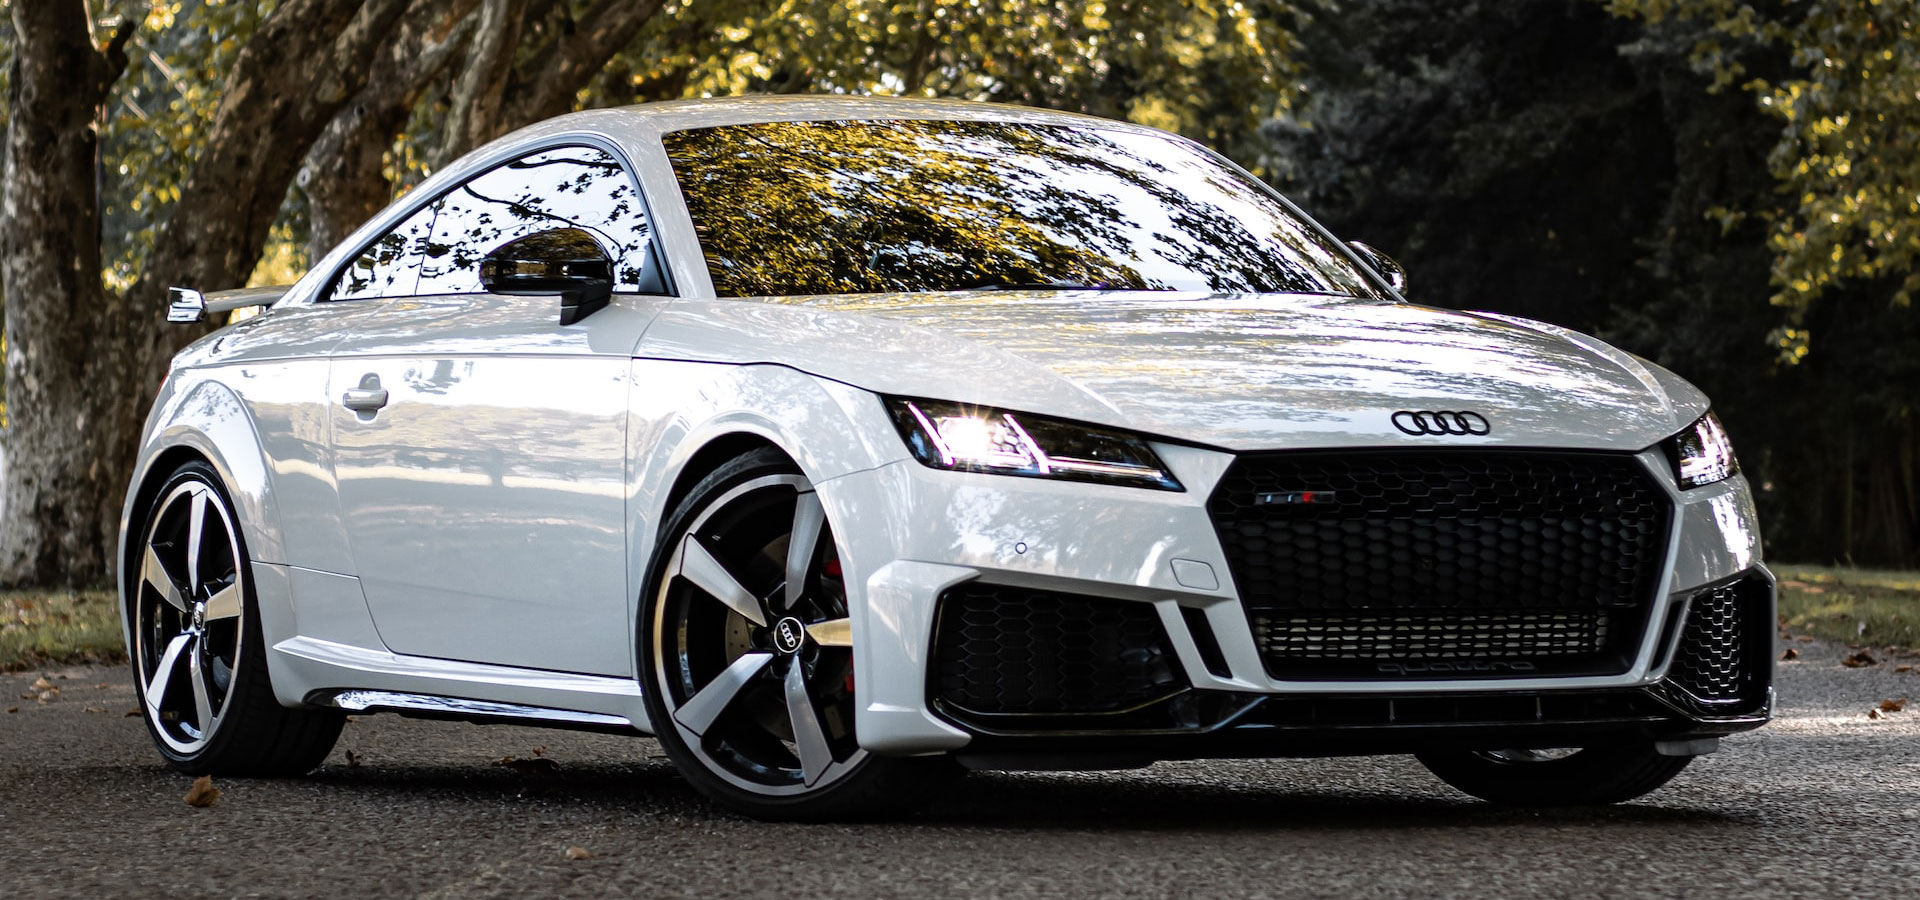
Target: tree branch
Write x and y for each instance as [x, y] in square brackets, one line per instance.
[570, 61]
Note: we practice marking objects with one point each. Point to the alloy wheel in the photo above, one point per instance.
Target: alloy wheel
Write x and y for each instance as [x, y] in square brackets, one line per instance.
[752, 647]
[189, 616]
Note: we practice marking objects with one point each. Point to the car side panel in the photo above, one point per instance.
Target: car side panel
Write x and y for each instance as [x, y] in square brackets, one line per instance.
[484, 503]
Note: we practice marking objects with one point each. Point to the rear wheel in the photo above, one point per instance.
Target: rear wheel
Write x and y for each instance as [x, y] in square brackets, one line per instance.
[1588, 776]
[749, 654]
[199, 659]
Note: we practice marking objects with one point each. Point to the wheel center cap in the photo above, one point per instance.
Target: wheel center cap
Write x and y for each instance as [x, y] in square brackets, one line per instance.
[788, 634]
[199, 616]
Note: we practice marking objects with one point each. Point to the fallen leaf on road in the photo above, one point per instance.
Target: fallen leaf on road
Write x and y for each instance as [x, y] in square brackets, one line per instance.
[1903, 668]
[203, 794]
[94, 709]
[1790, 654]
[1863, 658]
[537, 765]
[1875, 713]
[578, 853]
[353, 760]
[1893, 705]
[42, 684]
[13, 709]
[49, 696]
[130, 714]
[540, 750]
[102, 686]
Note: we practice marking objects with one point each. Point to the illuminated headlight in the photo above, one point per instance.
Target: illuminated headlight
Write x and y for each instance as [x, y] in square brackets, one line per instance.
[1702, 455]
[975, 439]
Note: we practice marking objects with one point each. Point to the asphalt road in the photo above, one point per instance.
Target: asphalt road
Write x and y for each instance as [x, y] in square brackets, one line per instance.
[1825, 802]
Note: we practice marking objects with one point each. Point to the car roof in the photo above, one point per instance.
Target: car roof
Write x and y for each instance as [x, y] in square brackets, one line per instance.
[653, 119]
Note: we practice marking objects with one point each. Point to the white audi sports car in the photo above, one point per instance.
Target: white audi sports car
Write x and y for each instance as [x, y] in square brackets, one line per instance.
[845, 444]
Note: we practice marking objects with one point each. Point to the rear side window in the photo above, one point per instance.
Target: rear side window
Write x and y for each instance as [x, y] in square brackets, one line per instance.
[567, 187]
[390, 265]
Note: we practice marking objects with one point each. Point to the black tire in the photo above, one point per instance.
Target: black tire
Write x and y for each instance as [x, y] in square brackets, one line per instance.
[1593, 776]
[865, 786]
[252, 735]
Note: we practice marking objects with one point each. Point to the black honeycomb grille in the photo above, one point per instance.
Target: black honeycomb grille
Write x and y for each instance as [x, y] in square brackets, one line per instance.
[1345, 559]
[1008, 651]
[1713, 661]
[1419, 636]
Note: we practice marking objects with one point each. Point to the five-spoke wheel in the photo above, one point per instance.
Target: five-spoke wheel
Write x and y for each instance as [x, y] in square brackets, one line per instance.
[749, 652]
[197, 651]
[189, 617]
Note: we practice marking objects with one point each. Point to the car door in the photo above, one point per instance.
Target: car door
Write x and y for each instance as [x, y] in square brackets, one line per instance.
[479, 444]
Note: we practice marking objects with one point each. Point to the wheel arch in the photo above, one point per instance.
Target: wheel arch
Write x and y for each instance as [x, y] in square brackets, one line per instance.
[204, 422]
[696, 416]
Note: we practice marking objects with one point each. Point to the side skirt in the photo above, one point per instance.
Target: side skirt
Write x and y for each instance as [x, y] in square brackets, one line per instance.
[327, 673]
[479, 712]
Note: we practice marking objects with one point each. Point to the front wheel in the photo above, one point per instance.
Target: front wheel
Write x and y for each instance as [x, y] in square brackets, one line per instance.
[1590, 776]
[748, 654]
[198, 656]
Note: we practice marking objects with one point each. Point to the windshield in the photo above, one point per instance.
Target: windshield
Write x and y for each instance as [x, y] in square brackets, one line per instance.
[790, 208]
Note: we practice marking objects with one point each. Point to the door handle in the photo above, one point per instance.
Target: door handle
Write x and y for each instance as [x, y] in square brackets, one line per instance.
[366, 398]
[362, 400]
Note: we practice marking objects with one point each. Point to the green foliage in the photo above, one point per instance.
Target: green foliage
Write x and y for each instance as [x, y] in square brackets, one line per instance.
[1211, 70]
[158, 115]
[1855, 606]
[43, 627]
[1850, 112]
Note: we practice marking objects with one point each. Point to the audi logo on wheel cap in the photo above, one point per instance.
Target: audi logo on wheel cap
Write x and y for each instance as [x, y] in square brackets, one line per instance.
[1440, 422]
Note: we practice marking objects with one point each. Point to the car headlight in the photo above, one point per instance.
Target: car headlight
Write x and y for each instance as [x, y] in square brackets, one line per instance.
[966, 438]
[1702, 454]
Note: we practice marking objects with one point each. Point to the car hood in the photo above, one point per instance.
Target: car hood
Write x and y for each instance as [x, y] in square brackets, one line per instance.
[1236, 371]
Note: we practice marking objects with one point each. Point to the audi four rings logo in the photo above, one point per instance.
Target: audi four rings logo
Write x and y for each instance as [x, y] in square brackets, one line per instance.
[1440, 422]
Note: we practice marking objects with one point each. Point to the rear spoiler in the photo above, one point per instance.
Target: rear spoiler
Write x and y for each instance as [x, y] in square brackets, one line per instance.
[186, 305]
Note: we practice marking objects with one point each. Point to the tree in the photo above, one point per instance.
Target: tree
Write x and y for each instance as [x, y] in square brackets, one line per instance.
[1545, 158]
[82, 360]
[224, 108]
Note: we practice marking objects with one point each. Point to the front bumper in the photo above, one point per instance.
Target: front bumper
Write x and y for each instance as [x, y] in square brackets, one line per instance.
[910, 534]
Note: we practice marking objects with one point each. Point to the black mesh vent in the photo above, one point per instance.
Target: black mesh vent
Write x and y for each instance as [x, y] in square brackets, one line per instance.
[1009, 651]
[1344, 559]
[1724, 653]
[1433, 636]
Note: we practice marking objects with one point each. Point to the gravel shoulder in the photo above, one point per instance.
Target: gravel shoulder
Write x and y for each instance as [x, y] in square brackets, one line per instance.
[1826, 801]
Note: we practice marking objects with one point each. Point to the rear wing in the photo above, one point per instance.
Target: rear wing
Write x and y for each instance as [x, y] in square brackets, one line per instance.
[186, 305]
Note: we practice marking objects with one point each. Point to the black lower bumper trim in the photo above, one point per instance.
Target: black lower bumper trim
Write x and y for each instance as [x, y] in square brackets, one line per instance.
[1262, 726]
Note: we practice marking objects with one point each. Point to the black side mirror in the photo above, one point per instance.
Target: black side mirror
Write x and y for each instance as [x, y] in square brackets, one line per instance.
[1396, 277]
[563, 262]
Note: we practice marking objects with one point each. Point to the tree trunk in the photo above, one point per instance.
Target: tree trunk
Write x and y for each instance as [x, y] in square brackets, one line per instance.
[82, 363]
[479, 94]
[62, 510]
[342, 174]
[568, 63]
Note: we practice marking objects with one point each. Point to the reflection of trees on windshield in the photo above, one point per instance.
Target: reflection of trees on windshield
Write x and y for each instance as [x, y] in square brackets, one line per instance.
[857, 207]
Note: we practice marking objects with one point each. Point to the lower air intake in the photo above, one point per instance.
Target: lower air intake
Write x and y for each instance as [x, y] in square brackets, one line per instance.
[1722, 663]
[1002, 651]
[1519, 635]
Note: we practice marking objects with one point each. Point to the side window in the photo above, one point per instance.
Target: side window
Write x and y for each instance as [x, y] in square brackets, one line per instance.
[567, 187]
[391, 264]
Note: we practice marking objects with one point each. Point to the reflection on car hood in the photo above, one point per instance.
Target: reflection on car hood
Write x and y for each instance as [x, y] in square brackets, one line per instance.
[1242, 372]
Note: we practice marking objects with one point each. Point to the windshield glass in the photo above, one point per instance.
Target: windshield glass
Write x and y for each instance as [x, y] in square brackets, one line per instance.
[790, 208]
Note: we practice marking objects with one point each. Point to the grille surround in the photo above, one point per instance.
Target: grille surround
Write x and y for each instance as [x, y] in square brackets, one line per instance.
[1443, 540]
[1002, 652]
